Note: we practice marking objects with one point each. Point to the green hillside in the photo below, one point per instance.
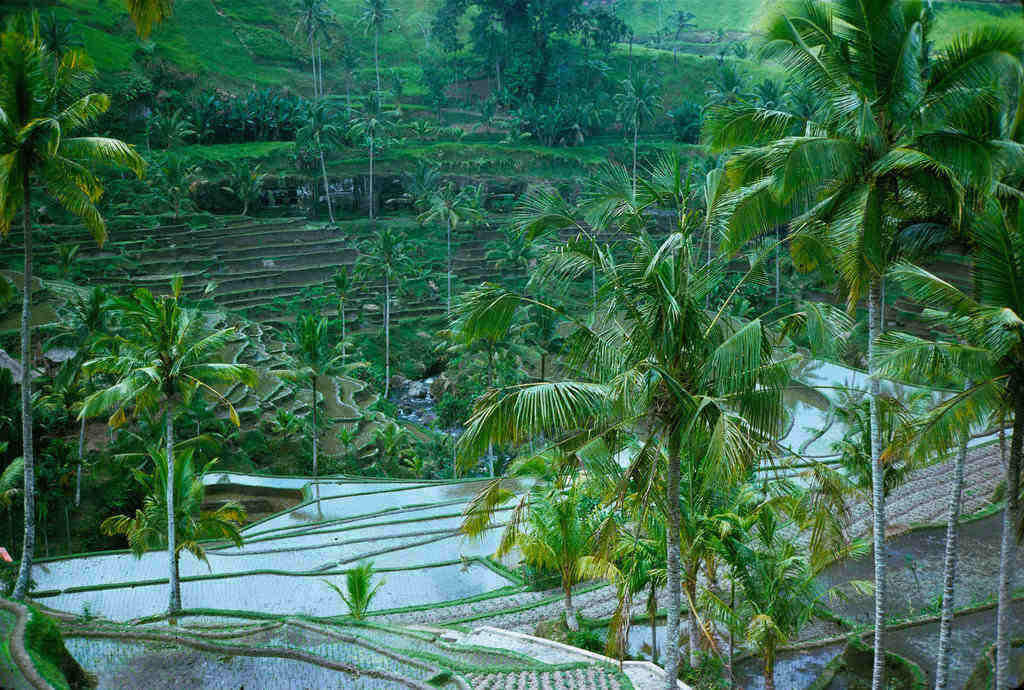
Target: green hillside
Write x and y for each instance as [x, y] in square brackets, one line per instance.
[241, 44]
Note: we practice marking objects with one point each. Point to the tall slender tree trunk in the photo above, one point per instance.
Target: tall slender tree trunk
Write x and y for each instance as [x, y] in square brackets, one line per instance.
[949, 568]
[732, 637]
[878, 492]
[636, 134]
[672, 567]
[28, 544]
[81, 458]
[372, 137]
[652, 611]
[341, 309]
[387, 333]
[778, 277]
[315, 429]
[376, 63]
[570, 613]
[312, 60]
[449, 307]
[881, 306]
[172, 551]
[1011, 518]
[320, 69]
[327, 186]
[691, 601]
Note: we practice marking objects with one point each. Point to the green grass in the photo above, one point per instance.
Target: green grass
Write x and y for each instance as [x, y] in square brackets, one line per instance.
[269, 150]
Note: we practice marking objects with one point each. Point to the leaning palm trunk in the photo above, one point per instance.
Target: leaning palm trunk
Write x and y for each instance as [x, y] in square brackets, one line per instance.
[81, 457]
[172, 551]
[878, 492]
[949, 568]
[327, 186]
[29, 542]
[1011, 517]
[672, 568]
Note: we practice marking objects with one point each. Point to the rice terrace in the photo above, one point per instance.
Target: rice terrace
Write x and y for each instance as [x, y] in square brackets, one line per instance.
[512, 344]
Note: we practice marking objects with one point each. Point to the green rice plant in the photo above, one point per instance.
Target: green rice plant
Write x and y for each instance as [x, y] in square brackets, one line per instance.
[360, 589]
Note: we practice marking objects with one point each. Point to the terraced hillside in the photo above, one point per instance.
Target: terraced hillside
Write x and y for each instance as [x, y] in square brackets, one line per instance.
[268, 599]
[253, 268]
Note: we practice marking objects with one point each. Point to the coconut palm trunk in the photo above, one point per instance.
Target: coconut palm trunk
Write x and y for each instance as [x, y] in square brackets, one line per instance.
[315, 427]
[1011, 518]
[652, 610]
[636, 134]
[691, 600]
[81, 458]
[571, 621]
[672, 567]
[327, 186]
[372, 135]
[376, 60]
[387, 332]
[949, 568]
[778, 276]
[449, 307]
[29, 540]
[878, 491]
[769, 671]
[172, 551]
[312, 60]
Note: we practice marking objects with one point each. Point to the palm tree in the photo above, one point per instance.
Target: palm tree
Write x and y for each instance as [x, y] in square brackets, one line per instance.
[170, 129]
[779, 590]
[343, 287]
[245, 182]
[314, 17]
[388, 251]
[66, 255]
[637, 101]
[319, 130]
[451, 207]
[165, 356]
[890, 148]
[375, 14]
[707, 389]
[989, 352]
[553, 534]
[84, 328]
[40, 106]
[176, 176]
[148, 13]
[57, 35]
[360, 589]
[372, 126]
[147, 528]
[637, 563]
[312, 357]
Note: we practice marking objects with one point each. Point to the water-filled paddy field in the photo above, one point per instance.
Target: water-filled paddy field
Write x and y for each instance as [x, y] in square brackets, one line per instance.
[409, 530]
